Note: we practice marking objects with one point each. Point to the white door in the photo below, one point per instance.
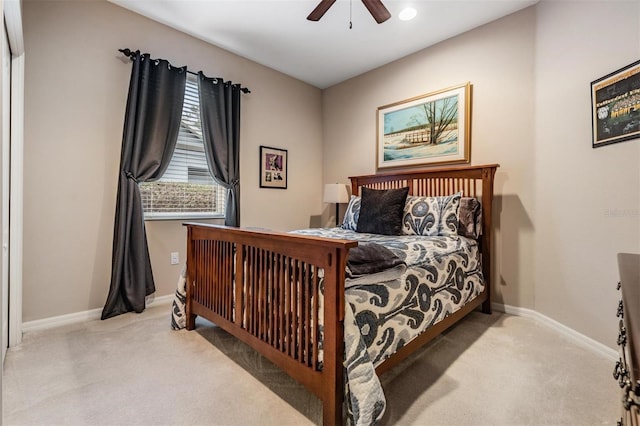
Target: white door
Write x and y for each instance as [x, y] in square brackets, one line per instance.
[6, 161]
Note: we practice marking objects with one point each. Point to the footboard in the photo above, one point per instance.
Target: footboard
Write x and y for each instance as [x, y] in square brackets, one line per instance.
[267, 289]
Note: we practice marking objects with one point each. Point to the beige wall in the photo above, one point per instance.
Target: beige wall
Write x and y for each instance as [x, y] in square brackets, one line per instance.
[587, 200]
[498, 61]
[75, 94]
[563, 209]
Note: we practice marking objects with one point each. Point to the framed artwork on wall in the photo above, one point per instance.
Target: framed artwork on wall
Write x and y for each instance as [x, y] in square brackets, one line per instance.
[615, 106]
[273, 167]
[427, 129]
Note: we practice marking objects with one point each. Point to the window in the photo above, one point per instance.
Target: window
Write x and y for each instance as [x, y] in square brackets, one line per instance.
[186, 189]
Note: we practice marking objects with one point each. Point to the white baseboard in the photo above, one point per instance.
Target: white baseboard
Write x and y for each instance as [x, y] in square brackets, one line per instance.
[577, 337]
[93, 314]
[572, 334]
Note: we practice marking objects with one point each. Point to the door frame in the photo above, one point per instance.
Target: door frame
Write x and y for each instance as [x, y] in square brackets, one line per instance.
[13, 20]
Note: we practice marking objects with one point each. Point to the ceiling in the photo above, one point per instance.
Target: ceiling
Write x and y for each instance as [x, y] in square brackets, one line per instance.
[276, 33]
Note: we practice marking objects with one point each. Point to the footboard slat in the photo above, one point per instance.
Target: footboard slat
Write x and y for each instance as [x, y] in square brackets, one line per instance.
[287, 317]
[299, 312]
[262, 283]
[231, 292]
[295, 301]
[270, 294]
[216, 296]
[304, 348]
[315, 326]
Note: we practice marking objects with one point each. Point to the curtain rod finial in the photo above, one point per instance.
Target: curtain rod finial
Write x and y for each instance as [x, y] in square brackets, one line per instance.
[126, 52]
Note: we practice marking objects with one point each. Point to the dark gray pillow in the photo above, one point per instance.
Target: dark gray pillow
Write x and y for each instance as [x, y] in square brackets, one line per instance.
[469, 218]
[381, 211]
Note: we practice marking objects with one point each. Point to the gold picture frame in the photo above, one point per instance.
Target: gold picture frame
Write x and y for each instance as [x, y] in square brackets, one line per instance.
[428, 129]
[615, 106]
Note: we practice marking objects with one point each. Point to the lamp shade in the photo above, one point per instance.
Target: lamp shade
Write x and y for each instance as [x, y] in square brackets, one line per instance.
[336, 193]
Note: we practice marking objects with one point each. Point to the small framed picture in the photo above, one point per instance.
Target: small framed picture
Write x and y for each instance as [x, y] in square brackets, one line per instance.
[273, 167]
[615, 106]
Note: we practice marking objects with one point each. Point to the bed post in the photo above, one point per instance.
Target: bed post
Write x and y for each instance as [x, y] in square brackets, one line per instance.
[334, 298]
[355, 190]
[488, 174]
[190, 317]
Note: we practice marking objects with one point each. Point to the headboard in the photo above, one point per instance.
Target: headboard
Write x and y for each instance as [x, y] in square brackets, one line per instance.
[472, 181]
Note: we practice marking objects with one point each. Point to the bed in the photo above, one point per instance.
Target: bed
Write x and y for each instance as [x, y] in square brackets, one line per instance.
[293, 298]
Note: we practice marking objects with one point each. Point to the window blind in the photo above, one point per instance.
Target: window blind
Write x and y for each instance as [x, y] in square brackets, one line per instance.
[186, 189]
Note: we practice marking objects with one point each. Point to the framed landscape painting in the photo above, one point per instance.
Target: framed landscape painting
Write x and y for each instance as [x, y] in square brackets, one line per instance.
[428, 129]
[273, 167]
[615, 106]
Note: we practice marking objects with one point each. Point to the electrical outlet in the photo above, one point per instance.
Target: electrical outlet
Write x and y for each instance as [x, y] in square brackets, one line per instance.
[175, 258]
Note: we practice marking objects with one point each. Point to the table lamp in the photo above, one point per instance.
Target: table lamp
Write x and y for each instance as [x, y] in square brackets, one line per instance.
[336, 193]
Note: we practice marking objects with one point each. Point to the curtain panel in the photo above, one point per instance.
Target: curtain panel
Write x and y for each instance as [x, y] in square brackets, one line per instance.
[151, 125]
[220, 117]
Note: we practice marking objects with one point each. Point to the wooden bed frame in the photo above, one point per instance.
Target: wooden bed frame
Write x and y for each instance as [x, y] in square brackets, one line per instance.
[260, 286]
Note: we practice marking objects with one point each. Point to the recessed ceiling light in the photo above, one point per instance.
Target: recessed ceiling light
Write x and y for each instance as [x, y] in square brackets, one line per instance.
[407, 14]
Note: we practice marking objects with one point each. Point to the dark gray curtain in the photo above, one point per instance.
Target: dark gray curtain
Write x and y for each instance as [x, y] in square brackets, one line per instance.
[151, 125]
[220, 114]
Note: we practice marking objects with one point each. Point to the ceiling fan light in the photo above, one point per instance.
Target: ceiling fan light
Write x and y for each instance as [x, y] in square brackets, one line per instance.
[407, 14]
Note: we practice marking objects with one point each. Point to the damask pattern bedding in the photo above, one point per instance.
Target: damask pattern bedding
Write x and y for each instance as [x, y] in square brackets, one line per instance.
[443, 273]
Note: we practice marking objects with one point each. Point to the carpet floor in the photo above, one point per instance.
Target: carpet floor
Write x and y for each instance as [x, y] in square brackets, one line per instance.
[133, 370]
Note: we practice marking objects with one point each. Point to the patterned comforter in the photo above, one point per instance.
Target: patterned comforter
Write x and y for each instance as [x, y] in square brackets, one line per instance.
[442, 275]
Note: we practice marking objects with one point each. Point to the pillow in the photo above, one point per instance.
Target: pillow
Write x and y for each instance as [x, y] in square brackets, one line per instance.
[419, 217]
[469, 218]
[431, 216]
[352, 214]
[381, 211]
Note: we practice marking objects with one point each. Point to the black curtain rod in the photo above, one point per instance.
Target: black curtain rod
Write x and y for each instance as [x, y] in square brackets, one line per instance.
[130, 54]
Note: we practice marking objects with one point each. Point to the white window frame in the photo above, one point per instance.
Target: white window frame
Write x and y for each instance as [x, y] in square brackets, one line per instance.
[190, 135]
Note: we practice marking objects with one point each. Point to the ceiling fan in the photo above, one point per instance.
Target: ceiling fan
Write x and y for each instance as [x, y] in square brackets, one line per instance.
[376, 8]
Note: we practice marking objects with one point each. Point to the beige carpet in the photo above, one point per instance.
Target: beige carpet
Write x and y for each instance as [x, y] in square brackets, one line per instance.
[133, 370]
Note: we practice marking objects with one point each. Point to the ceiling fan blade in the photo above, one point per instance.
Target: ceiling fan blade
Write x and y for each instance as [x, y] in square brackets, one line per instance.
[320, 10]
[377, 10]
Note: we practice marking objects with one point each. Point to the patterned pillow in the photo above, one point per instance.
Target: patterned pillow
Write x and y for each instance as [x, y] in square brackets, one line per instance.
[431, 216]
[352, 214]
